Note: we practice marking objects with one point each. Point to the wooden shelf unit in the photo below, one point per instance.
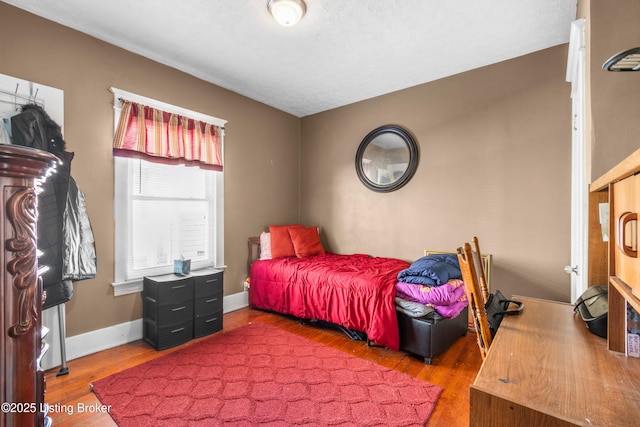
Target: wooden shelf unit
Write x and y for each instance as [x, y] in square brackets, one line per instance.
[602, 255]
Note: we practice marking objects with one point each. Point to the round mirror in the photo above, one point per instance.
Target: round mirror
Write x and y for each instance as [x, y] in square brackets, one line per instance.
[387, 158]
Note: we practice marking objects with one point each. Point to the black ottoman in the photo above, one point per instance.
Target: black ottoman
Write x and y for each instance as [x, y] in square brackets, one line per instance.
[429, 338]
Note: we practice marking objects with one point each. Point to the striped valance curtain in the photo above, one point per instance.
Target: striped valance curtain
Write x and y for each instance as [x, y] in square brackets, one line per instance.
[147, 130]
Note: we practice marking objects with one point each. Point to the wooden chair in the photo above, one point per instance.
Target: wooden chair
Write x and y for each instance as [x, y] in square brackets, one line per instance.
[472, 275]
[482, 260]
[482, 269]
[485, 262]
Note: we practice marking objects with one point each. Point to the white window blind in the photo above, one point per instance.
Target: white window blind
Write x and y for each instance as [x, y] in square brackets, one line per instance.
[172, 217]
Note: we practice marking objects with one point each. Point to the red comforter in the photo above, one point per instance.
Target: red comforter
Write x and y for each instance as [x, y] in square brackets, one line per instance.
[355, 291]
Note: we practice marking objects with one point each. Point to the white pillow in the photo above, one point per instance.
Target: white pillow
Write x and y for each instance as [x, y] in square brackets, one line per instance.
[265, 245]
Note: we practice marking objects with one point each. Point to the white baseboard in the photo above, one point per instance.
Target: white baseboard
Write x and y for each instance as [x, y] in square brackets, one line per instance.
[235, 302]
[113, 336]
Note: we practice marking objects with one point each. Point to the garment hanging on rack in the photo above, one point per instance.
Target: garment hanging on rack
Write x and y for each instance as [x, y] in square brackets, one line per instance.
[34, 128]
[6, 114]
[79, 258]
[5, 137]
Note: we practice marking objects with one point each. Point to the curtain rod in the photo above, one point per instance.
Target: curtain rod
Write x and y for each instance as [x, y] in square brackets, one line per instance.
[119, 93]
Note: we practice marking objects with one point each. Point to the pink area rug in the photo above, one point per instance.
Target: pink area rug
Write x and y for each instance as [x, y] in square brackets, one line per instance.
[261, 375]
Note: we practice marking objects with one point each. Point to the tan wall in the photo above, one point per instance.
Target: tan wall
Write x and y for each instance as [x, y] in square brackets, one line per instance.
[615, 97]
[495, 156]
[261, 146]
[505, 127]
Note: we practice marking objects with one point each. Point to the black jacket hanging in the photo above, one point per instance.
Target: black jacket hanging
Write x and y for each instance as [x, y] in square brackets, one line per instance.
[34, 128]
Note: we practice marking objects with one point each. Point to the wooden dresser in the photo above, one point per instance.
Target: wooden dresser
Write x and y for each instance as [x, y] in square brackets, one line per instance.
[22, 393]
[544, 368]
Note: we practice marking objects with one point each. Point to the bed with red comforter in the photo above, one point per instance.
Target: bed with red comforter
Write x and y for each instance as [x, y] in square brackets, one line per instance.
[353, 291]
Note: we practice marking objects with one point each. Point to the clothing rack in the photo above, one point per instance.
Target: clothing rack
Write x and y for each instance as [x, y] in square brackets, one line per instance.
[64, 369]
[27, 99]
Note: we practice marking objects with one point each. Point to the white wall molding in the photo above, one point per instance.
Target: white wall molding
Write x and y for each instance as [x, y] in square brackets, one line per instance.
[113, 336]
[103, 339]
[235, 302]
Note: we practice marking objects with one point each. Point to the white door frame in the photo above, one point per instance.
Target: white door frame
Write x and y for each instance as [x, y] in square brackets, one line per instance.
[580, 167]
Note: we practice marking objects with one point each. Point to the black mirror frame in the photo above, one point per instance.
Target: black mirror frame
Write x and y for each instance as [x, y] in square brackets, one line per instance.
[413, 158]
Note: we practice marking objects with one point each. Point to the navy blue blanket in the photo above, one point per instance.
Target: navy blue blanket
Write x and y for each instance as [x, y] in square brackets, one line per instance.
[432, 270]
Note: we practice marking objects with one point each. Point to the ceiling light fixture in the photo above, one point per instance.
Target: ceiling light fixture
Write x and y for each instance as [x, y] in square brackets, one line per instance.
[629, 60]
[287, 12]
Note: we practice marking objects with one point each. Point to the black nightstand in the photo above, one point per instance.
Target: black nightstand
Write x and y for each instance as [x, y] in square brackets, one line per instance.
[177, 308]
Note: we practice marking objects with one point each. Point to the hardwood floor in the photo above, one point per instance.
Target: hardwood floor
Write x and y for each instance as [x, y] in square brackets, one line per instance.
[455, 370]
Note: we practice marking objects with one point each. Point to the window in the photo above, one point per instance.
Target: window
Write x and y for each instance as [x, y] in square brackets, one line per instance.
[164, 211]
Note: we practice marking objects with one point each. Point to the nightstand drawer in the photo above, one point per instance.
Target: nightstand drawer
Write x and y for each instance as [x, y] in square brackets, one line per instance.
[209, 284]
[171, 314]
[176, 291]
[169, 336]
[168, 289]
[208, 324]
[208, 305]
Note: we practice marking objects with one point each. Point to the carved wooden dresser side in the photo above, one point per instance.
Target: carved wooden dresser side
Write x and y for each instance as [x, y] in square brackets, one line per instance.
[22, 170]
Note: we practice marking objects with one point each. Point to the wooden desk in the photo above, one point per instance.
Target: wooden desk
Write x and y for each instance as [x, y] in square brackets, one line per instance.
[545, 368]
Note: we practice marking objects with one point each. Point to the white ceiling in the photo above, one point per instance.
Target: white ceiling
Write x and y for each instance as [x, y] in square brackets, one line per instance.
[343, 51]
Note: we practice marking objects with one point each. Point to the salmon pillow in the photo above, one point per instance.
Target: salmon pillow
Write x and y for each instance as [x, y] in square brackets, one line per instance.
[281, 244]
[306, 241]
